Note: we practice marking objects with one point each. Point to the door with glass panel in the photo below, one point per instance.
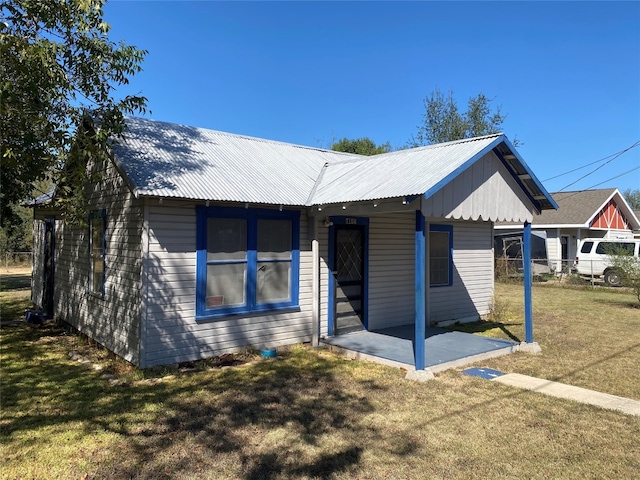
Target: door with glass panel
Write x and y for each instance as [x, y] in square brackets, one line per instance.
[349, 278]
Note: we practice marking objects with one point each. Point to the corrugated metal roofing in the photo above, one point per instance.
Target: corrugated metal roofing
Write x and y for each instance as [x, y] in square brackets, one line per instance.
[396, 174]
[168, 160]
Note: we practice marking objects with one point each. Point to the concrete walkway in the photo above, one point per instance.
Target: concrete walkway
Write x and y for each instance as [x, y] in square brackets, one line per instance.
[569, 392]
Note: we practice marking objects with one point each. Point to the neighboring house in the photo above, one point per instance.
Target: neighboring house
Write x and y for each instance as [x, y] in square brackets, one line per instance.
[201, 242]
[636, 232]
[602, 213]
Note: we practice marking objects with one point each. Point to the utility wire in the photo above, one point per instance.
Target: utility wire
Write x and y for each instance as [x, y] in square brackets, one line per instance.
[613, 178]
[613, 157]
[598, 184]
[593, 163]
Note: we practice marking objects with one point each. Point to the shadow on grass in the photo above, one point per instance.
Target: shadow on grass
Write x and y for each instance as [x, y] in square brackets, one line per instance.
[484, 326]
[12, 282]
[271, 418]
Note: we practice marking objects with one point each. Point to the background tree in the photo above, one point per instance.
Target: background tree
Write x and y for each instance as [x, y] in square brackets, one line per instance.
[626, 267]
[58, 71]
[361, 146]
[443, 121]
[633, 198]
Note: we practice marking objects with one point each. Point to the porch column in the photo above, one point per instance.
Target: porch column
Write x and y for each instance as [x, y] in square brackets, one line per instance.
[315, 282]
[420, 289]
[528, 278]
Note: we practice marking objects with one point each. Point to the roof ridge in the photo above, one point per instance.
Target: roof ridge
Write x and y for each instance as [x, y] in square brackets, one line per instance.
[245, 137]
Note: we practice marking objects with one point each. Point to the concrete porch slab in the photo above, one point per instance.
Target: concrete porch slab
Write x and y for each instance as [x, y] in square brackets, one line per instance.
[444, 349]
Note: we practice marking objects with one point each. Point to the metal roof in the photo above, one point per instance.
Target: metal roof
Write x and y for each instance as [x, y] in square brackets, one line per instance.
[168, 160]
[421, 171]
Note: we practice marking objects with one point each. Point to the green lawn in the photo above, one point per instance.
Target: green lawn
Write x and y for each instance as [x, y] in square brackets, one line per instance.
[313, 414]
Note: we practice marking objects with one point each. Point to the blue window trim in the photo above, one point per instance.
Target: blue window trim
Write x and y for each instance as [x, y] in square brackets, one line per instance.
[346, 220]
[448, 229]
[93, 215]
[251, 215]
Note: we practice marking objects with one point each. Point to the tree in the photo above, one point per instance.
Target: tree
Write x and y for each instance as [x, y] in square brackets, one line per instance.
[361, 146]
[633, 198]
[58, 74]
[625, 269]
[443, 121]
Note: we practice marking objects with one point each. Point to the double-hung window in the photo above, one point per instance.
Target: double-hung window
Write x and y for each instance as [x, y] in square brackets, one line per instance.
[97, 251]
[247, 261]
[440, 255]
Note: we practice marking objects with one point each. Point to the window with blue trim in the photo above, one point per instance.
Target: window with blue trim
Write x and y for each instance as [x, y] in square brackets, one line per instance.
[440, 255]
[97, 251]
[248, 261]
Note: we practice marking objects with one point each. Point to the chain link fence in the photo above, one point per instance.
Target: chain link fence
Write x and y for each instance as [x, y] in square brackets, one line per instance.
[546, 270]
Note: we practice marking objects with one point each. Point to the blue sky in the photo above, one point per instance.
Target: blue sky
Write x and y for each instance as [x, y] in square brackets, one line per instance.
[566, 73]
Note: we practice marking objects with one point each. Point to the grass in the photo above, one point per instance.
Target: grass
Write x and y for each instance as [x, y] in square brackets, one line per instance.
[312, 414]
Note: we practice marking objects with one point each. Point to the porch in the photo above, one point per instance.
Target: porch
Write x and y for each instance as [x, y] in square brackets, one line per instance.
[395, 346]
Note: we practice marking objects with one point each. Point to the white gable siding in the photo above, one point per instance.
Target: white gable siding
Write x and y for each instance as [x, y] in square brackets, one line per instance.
[172, 333]
[484, 191]
[115, 320]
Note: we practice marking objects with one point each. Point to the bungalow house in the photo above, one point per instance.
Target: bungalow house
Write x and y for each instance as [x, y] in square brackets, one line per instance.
[602, 213]
[200, 242]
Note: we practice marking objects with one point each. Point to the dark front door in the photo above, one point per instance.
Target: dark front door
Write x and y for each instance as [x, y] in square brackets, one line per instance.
[349, 278]
[47, 274]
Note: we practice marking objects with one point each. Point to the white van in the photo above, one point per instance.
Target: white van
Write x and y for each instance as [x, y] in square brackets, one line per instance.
[593, 257]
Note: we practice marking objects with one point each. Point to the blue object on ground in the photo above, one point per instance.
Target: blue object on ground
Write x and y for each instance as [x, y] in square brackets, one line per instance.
[486, 373]
[268, 353]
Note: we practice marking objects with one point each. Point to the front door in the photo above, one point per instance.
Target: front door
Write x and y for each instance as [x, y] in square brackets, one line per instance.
[349, 279]
[48, 267]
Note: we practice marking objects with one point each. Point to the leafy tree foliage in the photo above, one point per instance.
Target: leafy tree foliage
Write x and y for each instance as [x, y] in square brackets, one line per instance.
[444, 122]
[633, 198]
[58, 73]
[627, 268]
[16, 233]
[361, 146]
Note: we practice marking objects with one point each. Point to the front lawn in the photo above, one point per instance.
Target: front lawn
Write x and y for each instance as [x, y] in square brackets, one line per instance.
[312, 414]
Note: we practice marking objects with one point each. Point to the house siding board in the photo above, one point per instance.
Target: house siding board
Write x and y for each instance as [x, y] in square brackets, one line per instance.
[37, 271]
[115, 320]
[173, 334]
[391, 270]
[470, 295]
[485, 191]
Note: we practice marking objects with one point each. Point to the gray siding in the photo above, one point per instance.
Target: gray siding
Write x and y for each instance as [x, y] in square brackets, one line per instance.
[115, 320]
[391, 270]
[171, 332]
[392, 273]
[471, 294]
[37, 271]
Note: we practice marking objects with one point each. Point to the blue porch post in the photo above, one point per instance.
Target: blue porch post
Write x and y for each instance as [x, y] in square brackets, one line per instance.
[421, 277]
[528, 278]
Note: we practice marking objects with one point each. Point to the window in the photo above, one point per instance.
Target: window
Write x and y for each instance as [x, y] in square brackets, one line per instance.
[248, 261]
[97, 251]
[615, 248]
[586, 247]
[440, 255]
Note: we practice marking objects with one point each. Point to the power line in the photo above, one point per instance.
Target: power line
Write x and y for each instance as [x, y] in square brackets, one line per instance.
[593, 163]
[613, 178]
[614, 156]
